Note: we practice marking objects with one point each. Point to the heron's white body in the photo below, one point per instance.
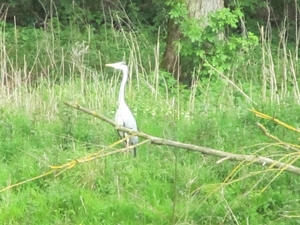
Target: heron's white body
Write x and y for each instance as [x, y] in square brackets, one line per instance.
[124, 116]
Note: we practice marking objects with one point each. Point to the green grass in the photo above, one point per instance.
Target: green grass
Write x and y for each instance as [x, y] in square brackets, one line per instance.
[162, 185]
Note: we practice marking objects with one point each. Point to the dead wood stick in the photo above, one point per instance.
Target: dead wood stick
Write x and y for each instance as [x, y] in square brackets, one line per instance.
[264, 161]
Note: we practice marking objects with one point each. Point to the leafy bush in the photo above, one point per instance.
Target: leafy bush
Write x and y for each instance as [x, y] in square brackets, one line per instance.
[210, 47]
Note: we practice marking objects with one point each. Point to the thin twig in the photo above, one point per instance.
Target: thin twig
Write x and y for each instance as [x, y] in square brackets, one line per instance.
[265, 116]
[232, 83]
[62, 168]
[294, 147]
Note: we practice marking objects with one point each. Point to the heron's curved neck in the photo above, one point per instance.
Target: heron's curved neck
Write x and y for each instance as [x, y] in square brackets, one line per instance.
[122, 87]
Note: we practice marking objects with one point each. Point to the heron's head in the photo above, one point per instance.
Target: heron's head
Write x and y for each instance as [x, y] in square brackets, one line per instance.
[118, 65]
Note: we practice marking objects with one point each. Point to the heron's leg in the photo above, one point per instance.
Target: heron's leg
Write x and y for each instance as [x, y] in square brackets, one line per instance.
[127, 144]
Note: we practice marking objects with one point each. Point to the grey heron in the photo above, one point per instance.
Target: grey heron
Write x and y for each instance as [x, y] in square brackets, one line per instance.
[124, 116]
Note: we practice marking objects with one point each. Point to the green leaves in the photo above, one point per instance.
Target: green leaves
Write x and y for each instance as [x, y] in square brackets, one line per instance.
[210, 43]
[178, 9]
[225, 17]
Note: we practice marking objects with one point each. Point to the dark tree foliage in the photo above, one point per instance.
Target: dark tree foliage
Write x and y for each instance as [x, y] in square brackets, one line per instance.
[151, 13]
[37, 12]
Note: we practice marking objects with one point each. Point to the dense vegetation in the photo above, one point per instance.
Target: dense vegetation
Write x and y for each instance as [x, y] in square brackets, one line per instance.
[64, 61]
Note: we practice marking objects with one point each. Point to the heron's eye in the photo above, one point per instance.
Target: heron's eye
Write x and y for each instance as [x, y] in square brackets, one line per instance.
[123, 63]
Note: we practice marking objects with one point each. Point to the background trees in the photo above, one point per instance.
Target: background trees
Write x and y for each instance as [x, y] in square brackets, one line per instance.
[188, 27]
[180, 15]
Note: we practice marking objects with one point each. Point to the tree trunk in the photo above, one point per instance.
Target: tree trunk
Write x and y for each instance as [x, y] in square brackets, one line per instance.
[198, 9]
[170, 61]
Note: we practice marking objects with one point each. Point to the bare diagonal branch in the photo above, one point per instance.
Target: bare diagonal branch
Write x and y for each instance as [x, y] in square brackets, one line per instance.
[264, 161]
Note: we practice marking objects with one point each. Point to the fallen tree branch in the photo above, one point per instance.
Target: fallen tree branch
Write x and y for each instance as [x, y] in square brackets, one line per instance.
[264, 161]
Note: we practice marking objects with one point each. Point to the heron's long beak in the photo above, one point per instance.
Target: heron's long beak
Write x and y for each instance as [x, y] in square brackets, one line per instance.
[109, 65]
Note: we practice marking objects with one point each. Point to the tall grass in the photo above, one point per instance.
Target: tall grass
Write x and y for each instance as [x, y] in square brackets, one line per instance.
[162, 185]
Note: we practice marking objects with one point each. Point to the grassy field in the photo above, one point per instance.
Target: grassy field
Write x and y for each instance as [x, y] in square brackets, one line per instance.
[162, 185]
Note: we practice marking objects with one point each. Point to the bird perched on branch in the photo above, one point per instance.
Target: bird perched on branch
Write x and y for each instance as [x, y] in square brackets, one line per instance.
[124, 116]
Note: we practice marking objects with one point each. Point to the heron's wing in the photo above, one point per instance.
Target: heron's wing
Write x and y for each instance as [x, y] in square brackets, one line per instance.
[124, 117]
